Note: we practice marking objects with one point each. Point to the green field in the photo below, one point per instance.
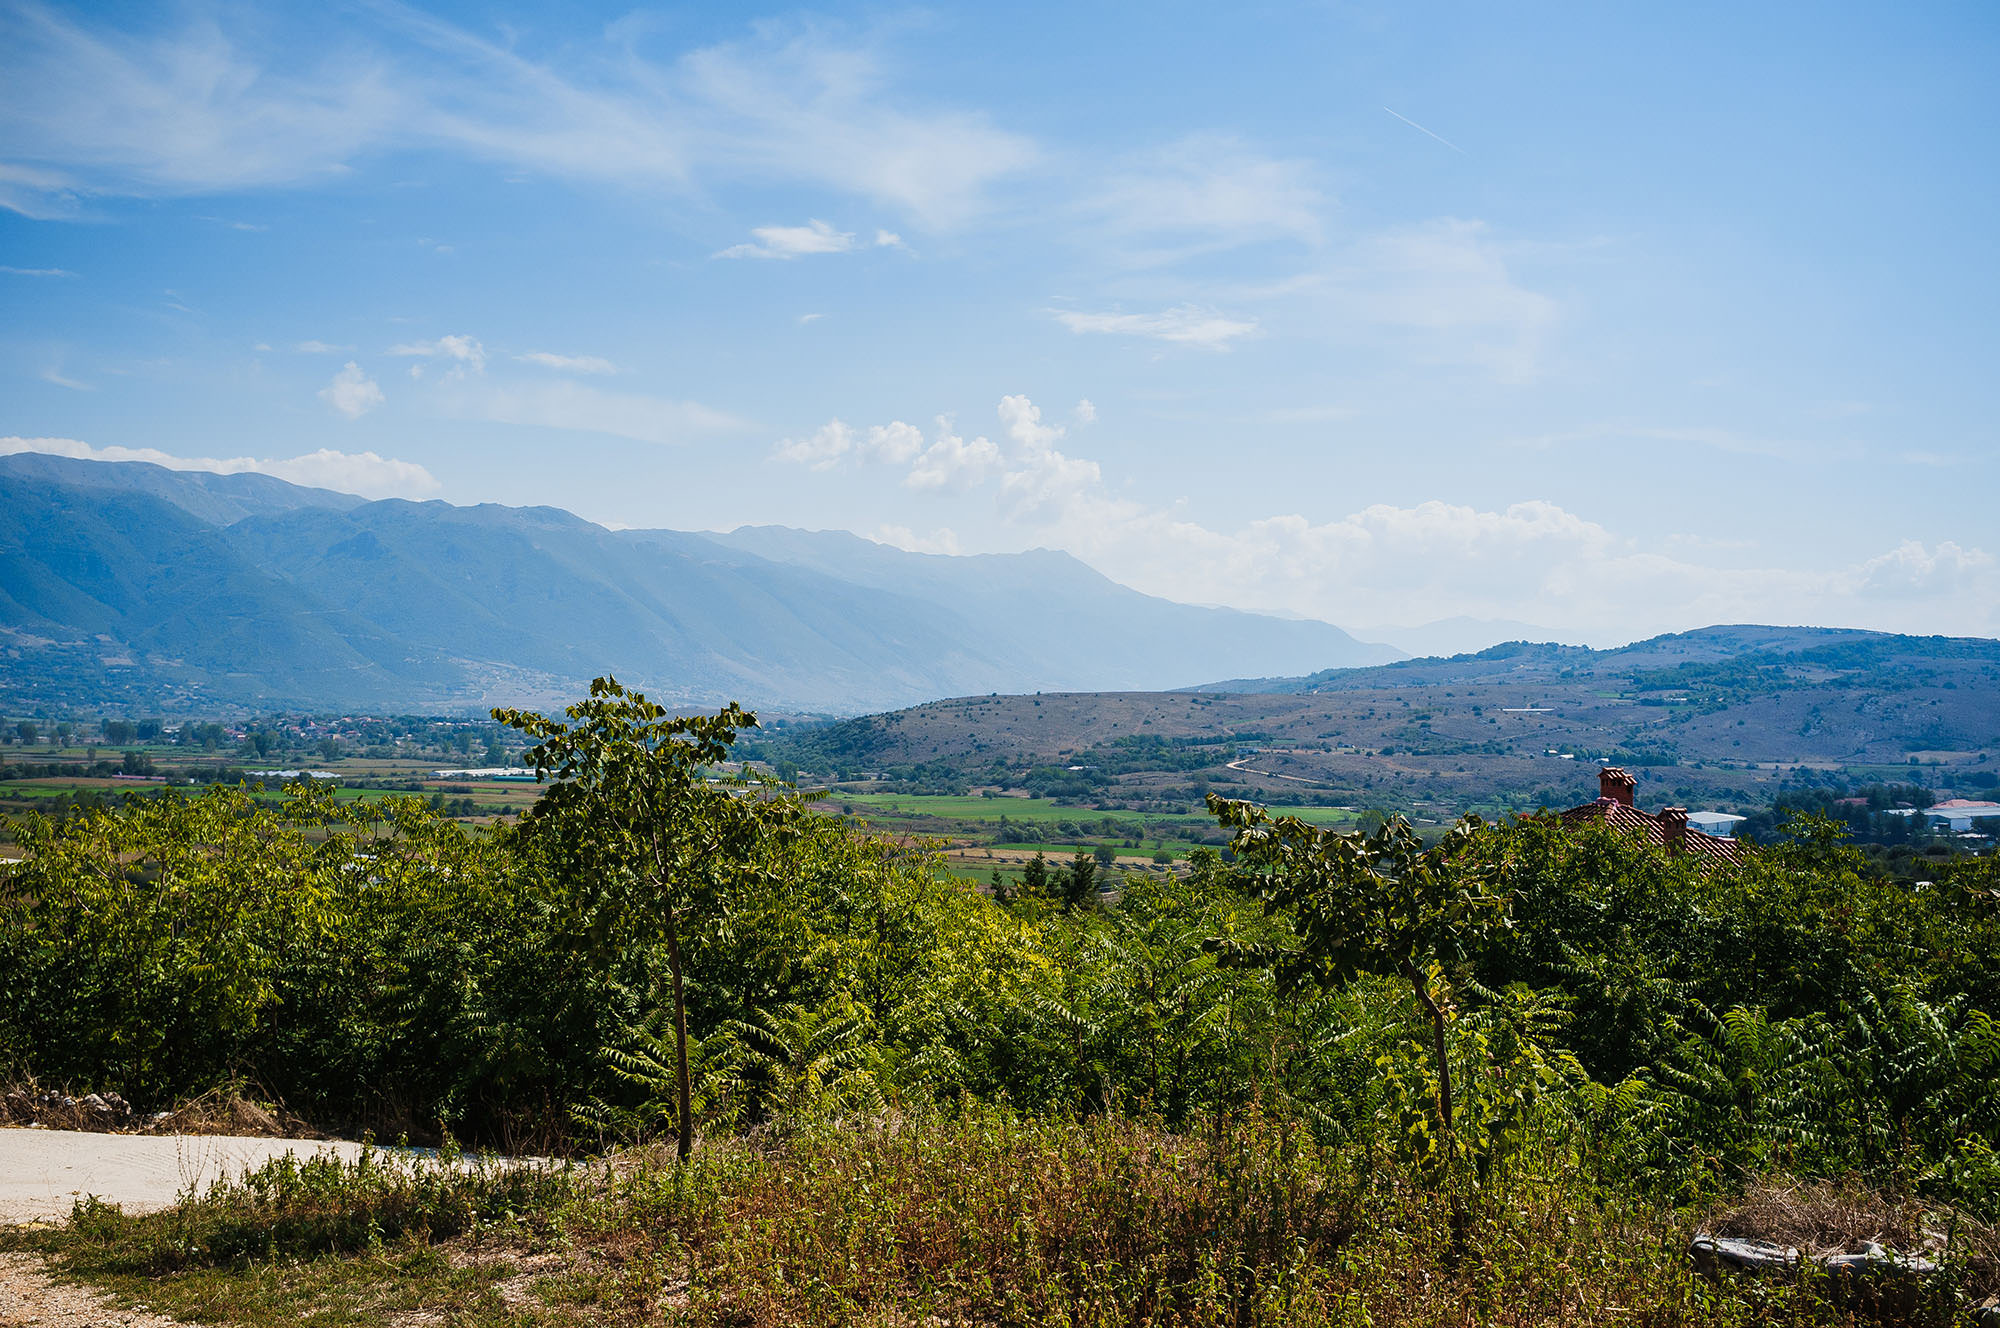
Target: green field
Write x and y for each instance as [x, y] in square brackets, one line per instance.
[1042, 809]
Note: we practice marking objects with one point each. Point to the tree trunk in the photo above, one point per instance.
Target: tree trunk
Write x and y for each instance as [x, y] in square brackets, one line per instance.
[684, 1147]
[1460, 1219]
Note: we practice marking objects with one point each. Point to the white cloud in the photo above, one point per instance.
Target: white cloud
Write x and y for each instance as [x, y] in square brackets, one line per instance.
[362, 473]
[786, 242]
[216, 103]
[569, 405]
[820, 450]
[1187, 325]
[951, 462]
[889, 240]
[1913, 569]
[1446, 287]
[1207, 192]
[462, 350]
[586, 364]
[1532, 560]
[1085, 412]
[319, 348]
[804, 319]
[352, 392]
[896, 443]
[942, 540]
[60, 379]
[37, 271]
[40, 195]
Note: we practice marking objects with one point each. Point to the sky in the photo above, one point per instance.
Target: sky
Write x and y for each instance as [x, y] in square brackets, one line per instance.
[1607, 320]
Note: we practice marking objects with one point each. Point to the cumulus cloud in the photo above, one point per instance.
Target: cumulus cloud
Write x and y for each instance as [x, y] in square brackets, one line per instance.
[1532, 560]
[584, 364]
[364, 474]
[820, 450]
[1913, 568]
[953, 462]
[352, 392]
[1187, 325]
[896, 443]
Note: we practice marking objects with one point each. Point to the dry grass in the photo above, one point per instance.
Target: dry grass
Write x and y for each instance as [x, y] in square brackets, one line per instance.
[1847, 1216]
[230, 1109]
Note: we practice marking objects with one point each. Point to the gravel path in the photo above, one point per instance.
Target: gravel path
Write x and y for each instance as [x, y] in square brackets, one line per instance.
[28, 1299]
[44, 1172]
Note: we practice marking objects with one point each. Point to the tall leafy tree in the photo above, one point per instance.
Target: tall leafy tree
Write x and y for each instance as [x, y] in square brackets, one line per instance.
[635, 819]
[1377, 904]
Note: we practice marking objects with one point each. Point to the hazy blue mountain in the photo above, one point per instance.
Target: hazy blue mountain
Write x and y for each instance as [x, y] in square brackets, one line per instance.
[1053, 598]
[149, 587]
[184, 585]
[210, 498]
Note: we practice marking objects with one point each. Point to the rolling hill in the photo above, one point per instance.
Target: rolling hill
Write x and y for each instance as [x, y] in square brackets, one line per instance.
[1725, 713]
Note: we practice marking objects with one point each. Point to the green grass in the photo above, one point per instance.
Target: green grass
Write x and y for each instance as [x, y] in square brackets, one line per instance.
[985, 809]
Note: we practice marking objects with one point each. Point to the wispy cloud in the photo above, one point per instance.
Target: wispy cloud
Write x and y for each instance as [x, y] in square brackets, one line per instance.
[579, 407]
[37, 271]
[1186, 325]
[465, 354]
[316, 347]
[1446, 288]
[362, 473]
[214, 105]
[584, 364]
[1203, 193]
[60, 379]
[815, 237]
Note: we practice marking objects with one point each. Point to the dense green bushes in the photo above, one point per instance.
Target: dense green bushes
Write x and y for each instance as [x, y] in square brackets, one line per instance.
[1660, 1025]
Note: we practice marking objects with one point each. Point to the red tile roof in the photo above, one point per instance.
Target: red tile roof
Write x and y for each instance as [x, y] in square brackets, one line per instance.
[1709, 848]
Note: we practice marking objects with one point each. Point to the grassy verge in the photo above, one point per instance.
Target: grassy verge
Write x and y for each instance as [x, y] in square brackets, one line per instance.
[980, 1215]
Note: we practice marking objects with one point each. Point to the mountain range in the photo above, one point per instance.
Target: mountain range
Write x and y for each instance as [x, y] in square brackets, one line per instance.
[130, 582]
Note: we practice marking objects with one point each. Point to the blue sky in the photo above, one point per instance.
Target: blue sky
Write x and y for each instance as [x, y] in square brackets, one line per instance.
[1607, 319]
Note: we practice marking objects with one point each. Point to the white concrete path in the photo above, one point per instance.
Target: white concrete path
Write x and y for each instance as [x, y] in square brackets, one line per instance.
[44, 1172]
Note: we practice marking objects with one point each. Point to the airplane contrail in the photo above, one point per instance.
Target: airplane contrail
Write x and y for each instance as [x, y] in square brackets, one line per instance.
[1420, 129]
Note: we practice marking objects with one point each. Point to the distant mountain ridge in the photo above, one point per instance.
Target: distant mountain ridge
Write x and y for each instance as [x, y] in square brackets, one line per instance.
[1732, 658]
[180, 588]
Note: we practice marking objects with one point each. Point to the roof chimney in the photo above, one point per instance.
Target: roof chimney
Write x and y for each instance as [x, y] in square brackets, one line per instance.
[1615, 784]
[1674, 825]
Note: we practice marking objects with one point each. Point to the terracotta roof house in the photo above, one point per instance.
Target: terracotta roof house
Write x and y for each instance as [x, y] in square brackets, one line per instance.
[1667, 828]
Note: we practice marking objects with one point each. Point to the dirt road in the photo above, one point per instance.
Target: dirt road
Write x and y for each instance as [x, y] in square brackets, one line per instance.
[44, 1172]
